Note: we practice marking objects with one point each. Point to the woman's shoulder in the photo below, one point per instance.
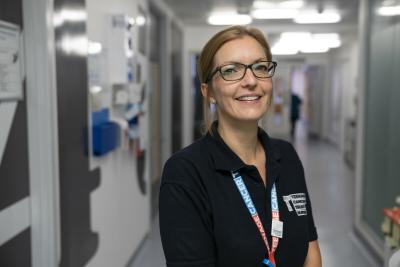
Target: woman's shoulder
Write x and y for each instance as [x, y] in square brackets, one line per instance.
[192, 152]
[284, 149]
[188, 161]
[281, 144]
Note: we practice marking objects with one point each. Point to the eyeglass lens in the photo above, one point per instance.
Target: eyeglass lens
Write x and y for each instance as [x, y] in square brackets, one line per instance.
[236, 71]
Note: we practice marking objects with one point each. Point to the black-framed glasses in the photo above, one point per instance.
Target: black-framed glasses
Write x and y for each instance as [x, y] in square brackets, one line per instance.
[236, 71]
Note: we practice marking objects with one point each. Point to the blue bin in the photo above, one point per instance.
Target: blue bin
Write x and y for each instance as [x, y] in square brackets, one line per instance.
[105, 137]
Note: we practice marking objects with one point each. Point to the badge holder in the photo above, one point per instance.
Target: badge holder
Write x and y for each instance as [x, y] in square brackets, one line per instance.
[268, 263]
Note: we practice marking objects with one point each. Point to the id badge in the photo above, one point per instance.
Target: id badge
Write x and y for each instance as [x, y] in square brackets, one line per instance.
[277, 228]
[268, 263]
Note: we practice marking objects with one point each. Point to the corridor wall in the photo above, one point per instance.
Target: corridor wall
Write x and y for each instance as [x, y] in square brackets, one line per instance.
[378, 178]
[60, 206]
[15, 238]
[119, 207]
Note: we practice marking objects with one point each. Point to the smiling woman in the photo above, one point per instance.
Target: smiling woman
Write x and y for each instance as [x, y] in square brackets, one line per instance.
[236, 197]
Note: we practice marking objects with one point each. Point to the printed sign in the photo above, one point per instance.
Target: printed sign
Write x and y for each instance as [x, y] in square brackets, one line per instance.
[10, 58]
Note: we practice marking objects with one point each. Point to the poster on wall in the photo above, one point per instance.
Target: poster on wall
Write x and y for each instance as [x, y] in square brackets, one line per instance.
[10, 58]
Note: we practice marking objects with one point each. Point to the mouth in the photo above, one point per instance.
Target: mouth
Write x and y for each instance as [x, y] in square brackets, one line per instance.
[248, 98]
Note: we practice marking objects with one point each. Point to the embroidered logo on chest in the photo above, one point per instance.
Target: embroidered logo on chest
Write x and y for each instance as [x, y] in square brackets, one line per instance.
[298, 202]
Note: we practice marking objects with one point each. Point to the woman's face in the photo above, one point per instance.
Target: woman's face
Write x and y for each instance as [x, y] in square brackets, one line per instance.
[247, 99]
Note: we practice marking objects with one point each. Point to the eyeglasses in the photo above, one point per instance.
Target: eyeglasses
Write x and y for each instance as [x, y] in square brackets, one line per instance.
[236, 71]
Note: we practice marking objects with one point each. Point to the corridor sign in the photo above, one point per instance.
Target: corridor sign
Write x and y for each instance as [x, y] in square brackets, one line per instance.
[10, 62]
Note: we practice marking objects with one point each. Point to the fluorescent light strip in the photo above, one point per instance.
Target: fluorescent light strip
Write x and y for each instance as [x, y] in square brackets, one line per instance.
[275, 13]
[282, 48]
[291, 43]
[263, 4]
[314, 49]
[259, 4]
[389, 10]
[291, 4]
[295, 36]
[229, 19]
[315, 18]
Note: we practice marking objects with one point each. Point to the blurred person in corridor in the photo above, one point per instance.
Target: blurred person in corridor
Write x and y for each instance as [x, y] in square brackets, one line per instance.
[295, 104]
[236, 197]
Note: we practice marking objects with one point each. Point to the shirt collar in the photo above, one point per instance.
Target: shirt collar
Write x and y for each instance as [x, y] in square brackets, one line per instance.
[226, 160]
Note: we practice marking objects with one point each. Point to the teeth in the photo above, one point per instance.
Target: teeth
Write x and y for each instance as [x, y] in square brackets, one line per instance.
[248, 98]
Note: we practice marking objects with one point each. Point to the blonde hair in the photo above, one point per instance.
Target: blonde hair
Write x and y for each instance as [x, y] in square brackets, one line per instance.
[205, 63]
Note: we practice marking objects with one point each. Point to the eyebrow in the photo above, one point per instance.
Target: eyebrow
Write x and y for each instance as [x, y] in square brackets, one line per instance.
[235, 62]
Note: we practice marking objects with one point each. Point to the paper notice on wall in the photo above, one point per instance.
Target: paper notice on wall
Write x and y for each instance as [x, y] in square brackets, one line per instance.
[10, 68]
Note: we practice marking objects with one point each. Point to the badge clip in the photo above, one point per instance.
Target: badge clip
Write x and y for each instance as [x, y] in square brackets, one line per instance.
[267, 263]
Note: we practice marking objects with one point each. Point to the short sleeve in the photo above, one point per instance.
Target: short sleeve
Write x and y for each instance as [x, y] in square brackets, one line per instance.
[185, 220]
[312, 230]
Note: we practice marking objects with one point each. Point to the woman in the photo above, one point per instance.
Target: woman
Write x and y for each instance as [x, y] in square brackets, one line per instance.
[236, 198]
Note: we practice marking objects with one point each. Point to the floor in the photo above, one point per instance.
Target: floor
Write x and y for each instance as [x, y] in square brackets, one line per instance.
[331, 187]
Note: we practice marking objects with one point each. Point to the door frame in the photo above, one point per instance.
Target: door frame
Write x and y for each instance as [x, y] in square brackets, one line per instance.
[41, 96]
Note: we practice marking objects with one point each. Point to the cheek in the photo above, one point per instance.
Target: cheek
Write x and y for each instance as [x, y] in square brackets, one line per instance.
[268, 86]
[222, 93]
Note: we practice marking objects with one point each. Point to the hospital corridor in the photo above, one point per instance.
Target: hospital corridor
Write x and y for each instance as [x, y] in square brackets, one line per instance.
[339, 246]
[97, 95]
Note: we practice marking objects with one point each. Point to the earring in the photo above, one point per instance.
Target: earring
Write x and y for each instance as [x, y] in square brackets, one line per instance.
[212, 101]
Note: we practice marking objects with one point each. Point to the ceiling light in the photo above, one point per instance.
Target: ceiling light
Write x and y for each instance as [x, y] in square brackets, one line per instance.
[282, 48]
[74, 45]
[259, 4]
[69, 15]
[295, 36]
[229, 19]
[274, 13]
[291, 4]
[263, 4]
[331, 40]
[313, 47]
[314, 17]
[389, 10]
[291, 43]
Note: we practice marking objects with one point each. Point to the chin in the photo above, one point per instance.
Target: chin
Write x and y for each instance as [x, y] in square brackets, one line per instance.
[250, 117]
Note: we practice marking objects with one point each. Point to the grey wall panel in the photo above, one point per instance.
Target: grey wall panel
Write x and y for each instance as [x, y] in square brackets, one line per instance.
[21, 244]
[14, 168]
[11, 11]
[382, 143]
[78, 242]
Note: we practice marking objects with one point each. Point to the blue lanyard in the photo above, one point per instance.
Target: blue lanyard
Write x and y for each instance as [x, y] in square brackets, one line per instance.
[237, 178]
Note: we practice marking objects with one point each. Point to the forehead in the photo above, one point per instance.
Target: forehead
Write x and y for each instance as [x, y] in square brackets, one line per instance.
[245, 49]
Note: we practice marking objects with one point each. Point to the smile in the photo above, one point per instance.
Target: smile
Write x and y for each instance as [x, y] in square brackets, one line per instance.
[248, 98]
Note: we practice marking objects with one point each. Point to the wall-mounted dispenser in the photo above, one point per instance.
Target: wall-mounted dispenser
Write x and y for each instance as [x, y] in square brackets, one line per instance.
[106, 133]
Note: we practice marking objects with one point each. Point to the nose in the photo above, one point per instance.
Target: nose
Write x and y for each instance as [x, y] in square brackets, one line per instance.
[249, 79]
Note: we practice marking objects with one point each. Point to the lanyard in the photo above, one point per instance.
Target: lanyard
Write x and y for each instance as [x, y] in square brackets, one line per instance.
[276, 230]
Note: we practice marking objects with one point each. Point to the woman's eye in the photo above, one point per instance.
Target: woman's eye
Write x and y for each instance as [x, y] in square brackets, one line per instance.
[229, 69]
[261, 67]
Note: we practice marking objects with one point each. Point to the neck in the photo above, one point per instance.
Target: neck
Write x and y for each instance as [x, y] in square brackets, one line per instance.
[242, 139]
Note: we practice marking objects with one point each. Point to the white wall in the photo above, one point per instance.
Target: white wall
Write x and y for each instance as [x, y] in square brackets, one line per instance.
[119, 211]
[342, 75]
[194, 38]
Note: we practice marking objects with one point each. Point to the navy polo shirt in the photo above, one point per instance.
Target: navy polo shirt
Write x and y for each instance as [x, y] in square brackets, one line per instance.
[204, 221]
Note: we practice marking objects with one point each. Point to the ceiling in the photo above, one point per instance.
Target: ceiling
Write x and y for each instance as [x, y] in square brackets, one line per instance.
[195, 12]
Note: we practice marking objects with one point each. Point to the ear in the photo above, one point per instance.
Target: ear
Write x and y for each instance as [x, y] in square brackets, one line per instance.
[204, 90]
[207, 93]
